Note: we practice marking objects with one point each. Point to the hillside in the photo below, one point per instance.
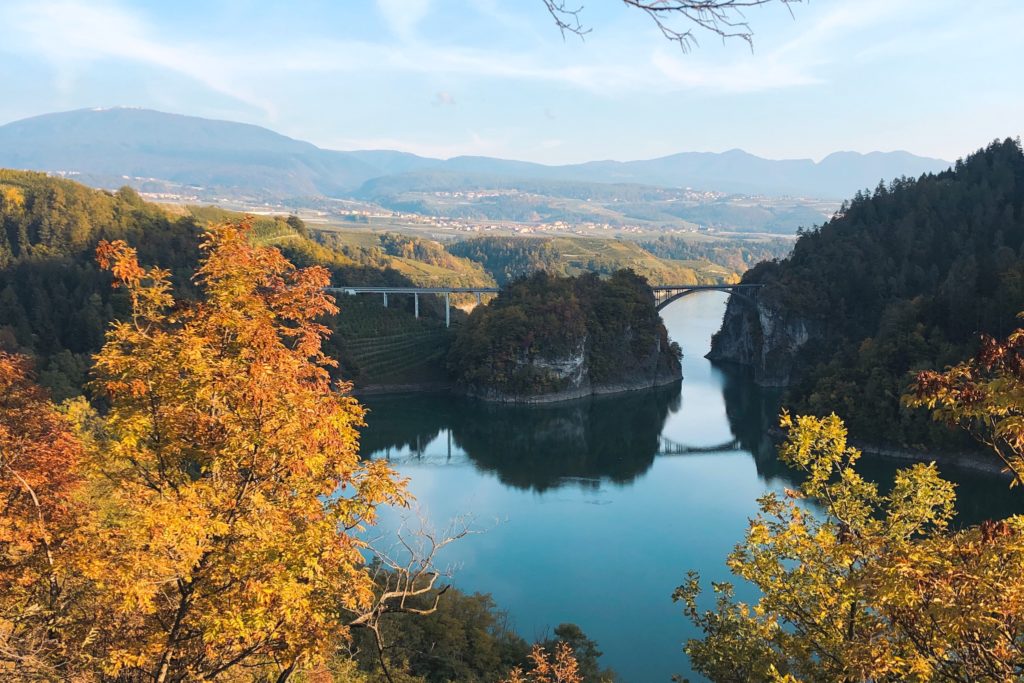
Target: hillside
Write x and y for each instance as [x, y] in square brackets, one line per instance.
[55, 303]
[507, 258]
[159, 152]
[190, 156]
[904, 278]
[549, 337]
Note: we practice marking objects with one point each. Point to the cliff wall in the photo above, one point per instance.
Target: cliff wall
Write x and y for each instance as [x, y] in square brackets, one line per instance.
[763, 335]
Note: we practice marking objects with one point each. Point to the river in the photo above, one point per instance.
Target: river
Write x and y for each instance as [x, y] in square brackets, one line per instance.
[594, 510]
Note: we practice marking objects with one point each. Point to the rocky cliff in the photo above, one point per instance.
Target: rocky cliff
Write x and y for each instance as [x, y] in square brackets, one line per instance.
[549, 378]
[760, 333]
[548, 338]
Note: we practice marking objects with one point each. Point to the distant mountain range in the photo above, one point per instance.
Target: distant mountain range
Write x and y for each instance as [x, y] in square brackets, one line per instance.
[154, 150]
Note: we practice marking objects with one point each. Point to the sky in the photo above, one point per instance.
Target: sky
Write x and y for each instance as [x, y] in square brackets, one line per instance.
[495, 77]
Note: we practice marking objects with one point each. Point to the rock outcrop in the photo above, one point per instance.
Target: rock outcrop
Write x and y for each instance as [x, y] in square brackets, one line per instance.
[548, 338]
[763, 335]
[569, 376]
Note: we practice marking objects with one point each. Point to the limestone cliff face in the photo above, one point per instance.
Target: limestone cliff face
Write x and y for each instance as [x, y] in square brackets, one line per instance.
[547, 338]
[569, 376]
[764, 336]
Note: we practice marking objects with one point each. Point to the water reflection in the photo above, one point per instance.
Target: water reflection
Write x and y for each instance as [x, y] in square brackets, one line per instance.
[611, 491]
[581, 443]
[615, 439]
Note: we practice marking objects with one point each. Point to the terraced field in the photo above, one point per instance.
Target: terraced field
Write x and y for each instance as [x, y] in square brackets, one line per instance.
[382, 346]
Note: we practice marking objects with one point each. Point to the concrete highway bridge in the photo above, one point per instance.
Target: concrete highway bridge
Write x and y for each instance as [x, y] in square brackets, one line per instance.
[663, 294]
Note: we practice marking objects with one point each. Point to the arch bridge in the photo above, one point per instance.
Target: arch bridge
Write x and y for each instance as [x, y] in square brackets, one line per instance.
[663, 294]
[666, 294]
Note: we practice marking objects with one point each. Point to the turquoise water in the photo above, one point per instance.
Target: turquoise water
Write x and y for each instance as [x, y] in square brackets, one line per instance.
[594, 510]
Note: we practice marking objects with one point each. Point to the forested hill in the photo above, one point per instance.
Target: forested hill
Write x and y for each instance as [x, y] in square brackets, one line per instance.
[55, 303]
[903, 278]
[548, 337]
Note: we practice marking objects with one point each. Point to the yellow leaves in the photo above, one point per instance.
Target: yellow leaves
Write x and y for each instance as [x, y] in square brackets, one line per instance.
[561, 667]
[875, 587]
[211, 532]
[11, 197]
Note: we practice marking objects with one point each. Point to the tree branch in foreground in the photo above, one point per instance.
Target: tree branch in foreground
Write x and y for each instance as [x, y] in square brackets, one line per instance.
[675, 19]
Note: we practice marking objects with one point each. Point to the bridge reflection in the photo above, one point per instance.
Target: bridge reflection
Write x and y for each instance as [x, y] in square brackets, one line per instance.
[605, 439]
[441, 452]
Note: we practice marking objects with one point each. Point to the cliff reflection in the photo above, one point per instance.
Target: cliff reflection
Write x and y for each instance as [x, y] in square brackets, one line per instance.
[585, 442]
[753, 414]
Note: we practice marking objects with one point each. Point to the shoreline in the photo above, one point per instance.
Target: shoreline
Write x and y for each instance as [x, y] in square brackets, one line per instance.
[964, 461]
[543, 399]
[978, 462]
[974, 462]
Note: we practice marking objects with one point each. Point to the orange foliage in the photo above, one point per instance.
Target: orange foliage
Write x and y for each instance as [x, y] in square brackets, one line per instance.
[560, 668]
[228, 472]
[38, 459]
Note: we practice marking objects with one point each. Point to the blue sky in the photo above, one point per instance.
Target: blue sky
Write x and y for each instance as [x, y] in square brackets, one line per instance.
[494, 77]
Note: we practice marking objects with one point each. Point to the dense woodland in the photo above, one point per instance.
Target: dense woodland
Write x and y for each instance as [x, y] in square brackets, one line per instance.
[904, 278]
[737, 255]
[55, 302]
[610, 327]
[508, 258]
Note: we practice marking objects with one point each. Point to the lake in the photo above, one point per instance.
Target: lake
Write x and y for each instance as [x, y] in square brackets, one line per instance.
[594, 510]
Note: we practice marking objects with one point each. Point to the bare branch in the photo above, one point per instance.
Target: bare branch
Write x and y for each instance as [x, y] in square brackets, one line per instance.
[675, 19]
[567, 17]
[406, 575]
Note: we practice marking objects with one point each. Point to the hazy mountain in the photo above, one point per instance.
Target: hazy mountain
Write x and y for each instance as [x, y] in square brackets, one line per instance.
[105, 147]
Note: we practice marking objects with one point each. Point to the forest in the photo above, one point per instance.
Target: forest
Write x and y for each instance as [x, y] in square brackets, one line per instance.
[187, 521]
[546, 334]
[903, 278]
[508, 258]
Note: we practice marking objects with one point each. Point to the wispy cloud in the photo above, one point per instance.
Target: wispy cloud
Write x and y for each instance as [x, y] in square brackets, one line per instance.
[68, 33]
[403, 16]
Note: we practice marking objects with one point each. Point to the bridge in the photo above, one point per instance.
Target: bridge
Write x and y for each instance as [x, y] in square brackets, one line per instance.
[666, 294]
[417, 292]
[663, 294]
[667, 446]
[435, 453]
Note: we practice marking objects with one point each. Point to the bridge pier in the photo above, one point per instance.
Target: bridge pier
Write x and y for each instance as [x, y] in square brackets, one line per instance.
[447, 309]
[416, 304]
[385, 299]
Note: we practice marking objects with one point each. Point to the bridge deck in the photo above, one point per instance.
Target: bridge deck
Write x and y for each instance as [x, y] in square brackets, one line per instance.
[663, 294]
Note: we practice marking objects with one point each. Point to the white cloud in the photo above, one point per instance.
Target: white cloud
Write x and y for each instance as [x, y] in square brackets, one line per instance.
[68, 33]
[403, 16]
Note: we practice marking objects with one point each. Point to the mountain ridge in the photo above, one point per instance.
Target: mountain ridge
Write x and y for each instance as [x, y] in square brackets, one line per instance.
[107, 146]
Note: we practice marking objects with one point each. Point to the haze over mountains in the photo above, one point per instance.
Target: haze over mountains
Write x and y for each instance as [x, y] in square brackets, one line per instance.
[112, 147]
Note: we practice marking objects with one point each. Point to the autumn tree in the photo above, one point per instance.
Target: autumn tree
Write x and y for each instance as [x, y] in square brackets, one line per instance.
[875, 587]
[547, 667]
[985, 396]
[226, 474]
[39, 455]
